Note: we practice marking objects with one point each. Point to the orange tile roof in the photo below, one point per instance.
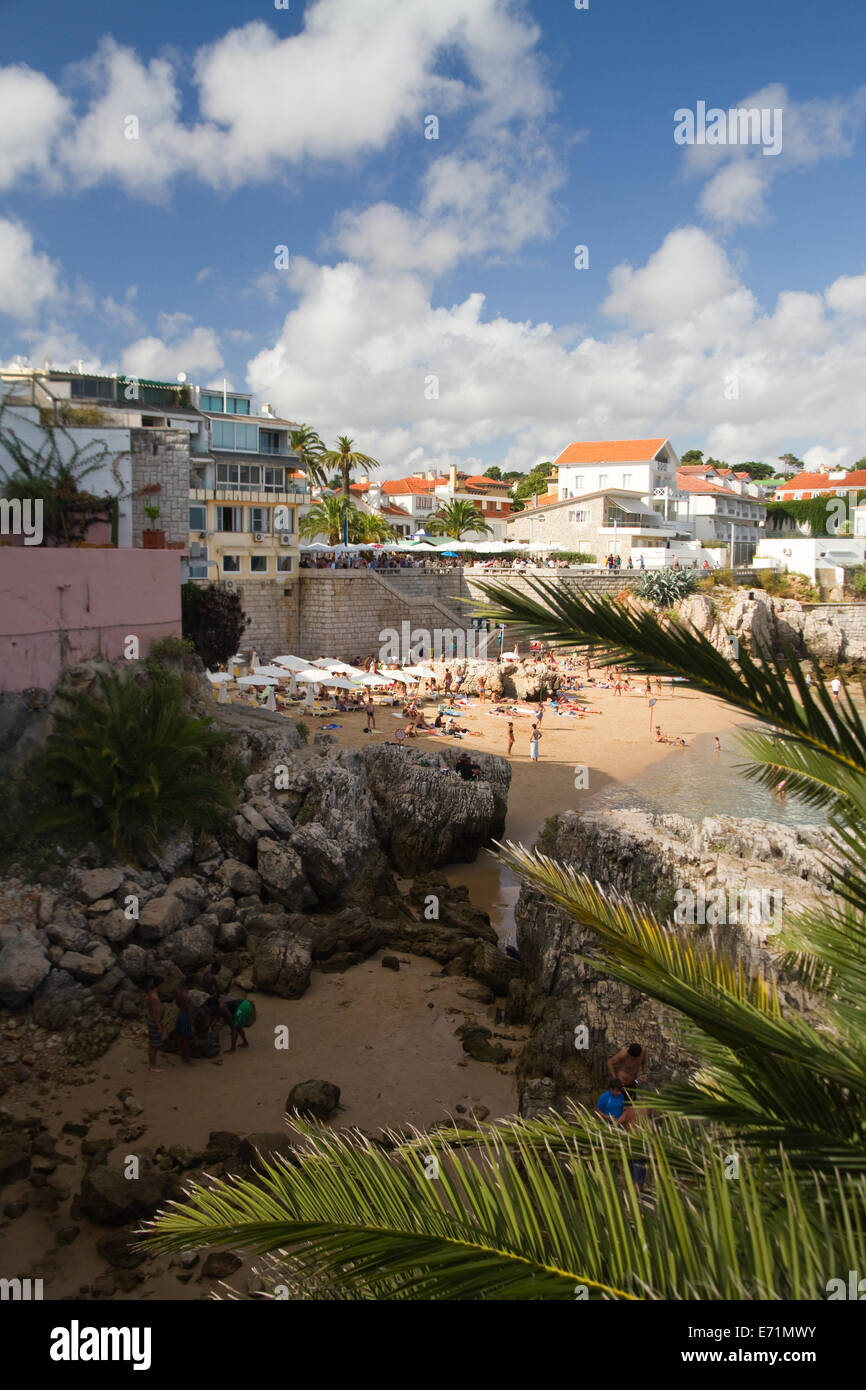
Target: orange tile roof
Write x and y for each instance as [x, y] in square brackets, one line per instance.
[611, 451]
[702, 487]
[819, 482]
[404, 487]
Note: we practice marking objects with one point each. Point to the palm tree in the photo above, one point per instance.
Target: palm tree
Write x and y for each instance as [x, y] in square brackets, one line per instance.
[368, 526]
[543, 1208]
[346, 460]
[326, 519]
[458, 518]
[306, 443]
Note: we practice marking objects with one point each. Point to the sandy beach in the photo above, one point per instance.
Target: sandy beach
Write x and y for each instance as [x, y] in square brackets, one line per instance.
[386, 1038]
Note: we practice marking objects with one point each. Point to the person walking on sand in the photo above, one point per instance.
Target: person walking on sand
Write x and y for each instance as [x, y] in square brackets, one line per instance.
[835, 686]
[370, 711]
[154, 1036]
[533, 743]
[539, 714]
[510, 737]
[183, 1023]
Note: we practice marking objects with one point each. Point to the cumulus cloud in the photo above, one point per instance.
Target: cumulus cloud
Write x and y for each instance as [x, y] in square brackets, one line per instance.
[196, 353]
[28, 278]
[739, 177]
[266, 103]
[420, 385]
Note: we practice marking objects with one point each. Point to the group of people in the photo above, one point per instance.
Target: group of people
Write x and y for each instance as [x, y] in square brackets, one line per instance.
[191, 1020]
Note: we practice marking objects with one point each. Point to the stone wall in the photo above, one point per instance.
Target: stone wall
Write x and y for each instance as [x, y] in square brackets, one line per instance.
[849, 617]
[161, 456]
[271, 607]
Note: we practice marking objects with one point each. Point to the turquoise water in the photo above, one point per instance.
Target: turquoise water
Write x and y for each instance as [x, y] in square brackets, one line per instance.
[697, 781]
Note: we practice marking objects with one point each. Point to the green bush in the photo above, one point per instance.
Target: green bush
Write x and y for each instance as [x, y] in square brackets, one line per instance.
[130, 765]
[170, 649]
[303, 731]
[666, 587]
[579, 557]
[715, 579]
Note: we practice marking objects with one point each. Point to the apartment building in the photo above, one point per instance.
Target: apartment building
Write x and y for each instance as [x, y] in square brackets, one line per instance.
[420, 495]
[246, 492]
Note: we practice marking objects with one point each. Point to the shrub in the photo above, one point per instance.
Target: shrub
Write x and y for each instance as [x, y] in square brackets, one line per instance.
[170, 649]
[715, 579]
[579, 557]
[303, 731]
[128, 765]
[666, 587]
[213, 620]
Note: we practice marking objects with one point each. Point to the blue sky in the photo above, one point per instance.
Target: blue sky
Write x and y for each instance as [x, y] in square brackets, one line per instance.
[431, 305]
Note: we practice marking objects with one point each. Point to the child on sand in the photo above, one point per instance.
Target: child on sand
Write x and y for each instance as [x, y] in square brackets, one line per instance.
[510, 739]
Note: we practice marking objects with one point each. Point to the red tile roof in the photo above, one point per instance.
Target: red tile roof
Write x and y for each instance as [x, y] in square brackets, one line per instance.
[819, 482]
[612, 451]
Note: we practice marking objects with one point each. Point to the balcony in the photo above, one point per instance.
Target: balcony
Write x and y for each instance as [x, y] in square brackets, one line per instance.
[239, 493]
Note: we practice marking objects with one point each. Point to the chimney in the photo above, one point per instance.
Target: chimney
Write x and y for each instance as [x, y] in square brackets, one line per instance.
[452, 478]
[431, 475]
[364, 480]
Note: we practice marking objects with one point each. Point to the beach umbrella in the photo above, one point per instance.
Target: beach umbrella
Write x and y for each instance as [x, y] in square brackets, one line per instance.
[280, 673]
[420, 673]
[310, 675]
[340, 683]
[316, 545]
[294, 663]
[219, 677]
[222, 694]
[371, 679]
[342, 668]
[271, 701]
[258, 679]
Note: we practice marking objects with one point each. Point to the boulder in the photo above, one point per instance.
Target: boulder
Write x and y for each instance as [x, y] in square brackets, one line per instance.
[23, 967]
[318, 1099]
[231, 935]
[239, 878]
[118, 1250]
[160, 917]
[115, 927]
[110, 1199]
[60, 1001]
[283, 874]
[190, 947]
[93, 884]
[276, 817]
[322, 859]
[493, 968]
[477, 1044]
[69, 935]
[14, 1159]
[87, 969]
[220, 1264]
[133, 960]
[175, 851]
[192, 893]
[281, 964]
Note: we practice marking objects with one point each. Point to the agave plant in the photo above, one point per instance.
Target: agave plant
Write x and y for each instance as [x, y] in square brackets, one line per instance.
[128, 764]
[665, 587]
[547, 1208]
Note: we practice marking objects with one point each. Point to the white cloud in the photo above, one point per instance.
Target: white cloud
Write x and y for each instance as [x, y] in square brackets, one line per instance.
[707, 366]
[847, 295]
[196, 354]
[33, 116]
[266, 104]
[688, 272]
[740, 176]
[28, 278]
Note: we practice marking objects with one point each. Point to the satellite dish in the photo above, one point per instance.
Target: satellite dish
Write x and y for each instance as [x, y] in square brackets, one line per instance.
[181, 376]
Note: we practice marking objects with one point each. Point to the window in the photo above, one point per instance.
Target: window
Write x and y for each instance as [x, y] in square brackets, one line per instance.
[602, 480]
[258, 518]
[198, 518]
[238, 405]
[284, 564]
[198, 569]
[275, 479]
[258, 564]
[225, 434]
[239, 475]
[90, 386]
[269, 441]
[424, 503]
[211, 402]
[626, 480]
[231, 564]
[230, 518]
[578, 484]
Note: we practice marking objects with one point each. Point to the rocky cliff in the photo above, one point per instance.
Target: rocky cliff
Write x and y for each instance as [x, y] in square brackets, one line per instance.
[650, 858]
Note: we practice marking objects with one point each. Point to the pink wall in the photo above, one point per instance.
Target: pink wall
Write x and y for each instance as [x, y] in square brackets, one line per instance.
[62, 606]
